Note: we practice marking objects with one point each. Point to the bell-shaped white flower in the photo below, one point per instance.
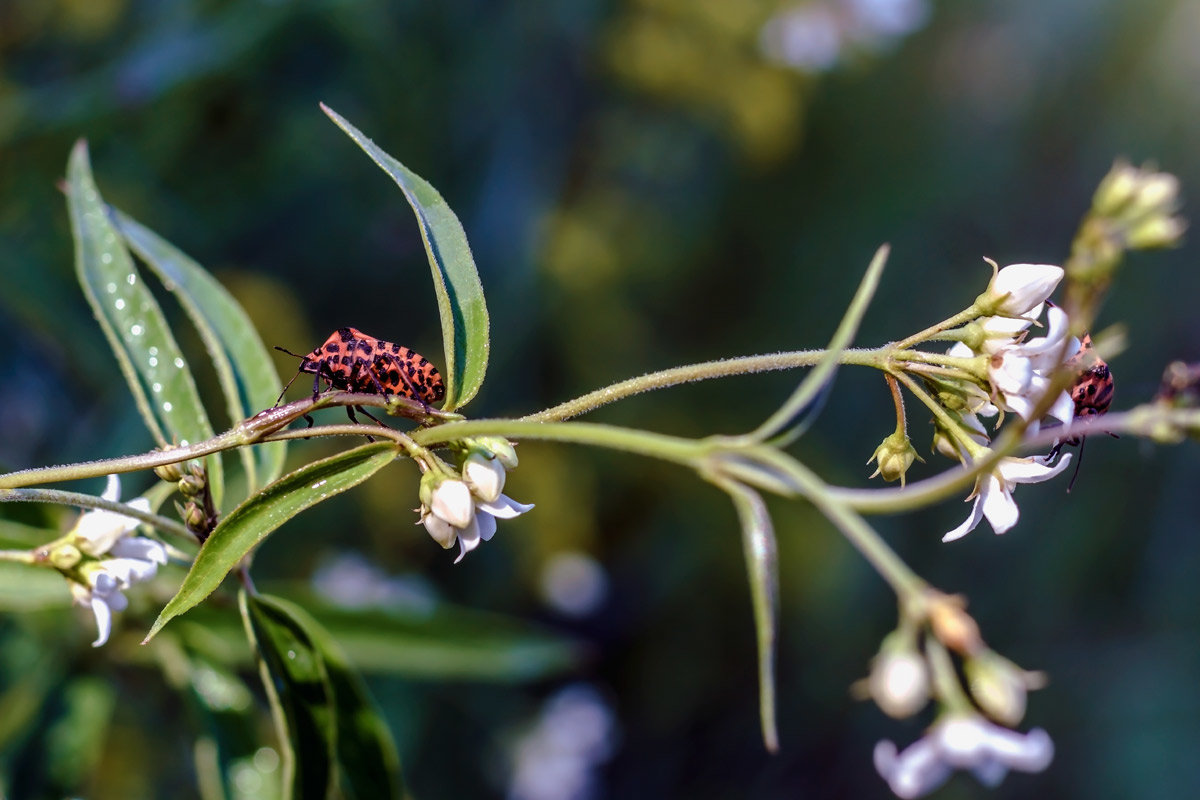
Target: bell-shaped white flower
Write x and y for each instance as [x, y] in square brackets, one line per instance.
[451, 501]
[993, 492]
[132, 560]
[961, 741]
[484, 475]
[1019, 290]
[98, 530]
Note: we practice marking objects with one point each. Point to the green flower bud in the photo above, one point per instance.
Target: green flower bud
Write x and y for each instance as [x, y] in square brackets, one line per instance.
[999, 686]
[893, 457]
[64, 556]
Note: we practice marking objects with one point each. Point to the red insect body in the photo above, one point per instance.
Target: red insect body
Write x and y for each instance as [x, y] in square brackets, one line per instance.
[351, 360]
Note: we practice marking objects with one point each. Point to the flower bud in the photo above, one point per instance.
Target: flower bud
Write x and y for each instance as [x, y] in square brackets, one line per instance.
[484, 475]
[64, 556]
[1019, 290]
[442, 532]
[1155, 232]
[899, 681]
[998, 686]
[953, 626]
[1157, 195]
[447, 498]
[893, 457]
[191, 486]
[1116, 189]
[500, 448]
[171, 473]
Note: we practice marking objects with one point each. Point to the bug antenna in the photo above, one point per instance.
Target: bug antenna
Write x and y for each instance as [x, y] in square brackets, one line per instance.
[289, 352]
[1078, 464]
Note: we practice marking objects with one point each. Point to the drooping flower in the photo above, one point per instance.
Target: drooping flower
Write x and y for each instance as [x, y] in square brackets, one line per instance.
[452, 510]
[993, 492]
[98, 530]
[118, 559]
[961, 741]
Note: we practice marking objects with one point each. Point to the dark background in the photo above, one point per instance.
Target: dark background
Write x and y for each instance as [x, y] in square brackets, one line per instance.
[643, 187]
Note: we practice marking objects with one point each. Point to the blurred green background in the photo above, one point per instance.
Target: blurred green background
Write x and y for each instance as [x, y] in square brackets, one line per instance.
[644, 183]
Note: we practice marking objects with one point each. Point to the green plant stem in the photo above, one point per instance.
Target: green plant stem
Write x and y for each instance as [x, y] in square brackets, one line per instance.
[18, 556]
[961, 318]
[909, 586]
[90, 501]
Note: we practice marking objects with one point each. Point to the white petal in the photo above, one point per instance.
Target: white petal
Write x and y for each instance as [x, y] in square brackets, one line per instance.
[505, 507]
[960, 350]
[487, 525]
[112, 489]
[468, 539]
[1011, 373]
[1063, 409]
[485, 476]
[130, 570]
[913, 773]
[442, 532]
[142, 548]
[962, 740]
[968, 525]
[104, 617]
[999, 507]
[999, 329]
[1027, 286]
[452, 501]
[1058, 325]
[1033, 469]
[1032, 752]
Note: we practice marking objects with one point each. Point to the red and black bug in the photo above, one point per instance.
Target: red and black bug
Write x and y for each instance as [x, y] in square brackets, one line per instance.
[1092, 394]
[351, 360]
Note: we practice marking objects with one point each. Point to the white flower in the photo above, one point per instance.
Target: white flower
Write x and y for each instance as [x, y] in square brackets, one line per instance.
[484, 475]
[123, 560]
[1019, 290]
[98, 530]
[451, 501]
[1020, 371]
[134, 559]
[993, 492]
[962, 741]
[454, 514]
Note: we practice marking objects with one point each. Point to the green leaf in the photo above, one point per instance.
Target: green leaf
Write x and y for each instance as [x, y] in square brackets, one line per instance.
[248, 524]
[762, 568]
[133, 323]
[333, 727]
[807, 395]
[459, 292]
[295, 681]
[242, 362]
[366, 754]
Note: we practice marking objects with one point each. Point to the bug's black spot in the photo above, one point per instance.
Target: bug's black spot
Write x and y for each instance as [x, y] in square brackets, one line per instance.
[395, 348]
[346, 360]
[365, 346]
[345, 334]
[393, 377]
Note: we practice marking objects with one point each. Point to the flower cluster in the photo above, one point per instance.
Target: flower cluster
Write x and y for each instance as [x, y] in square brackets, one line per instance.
[1019, 371]
[104, 559]
[961, 741]
[465, 508]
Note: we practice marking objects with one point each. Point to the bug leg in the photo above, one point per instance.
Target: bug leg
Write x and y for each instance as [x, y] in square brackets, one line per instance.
[1078, 463]
[372, 416]
[354, 419]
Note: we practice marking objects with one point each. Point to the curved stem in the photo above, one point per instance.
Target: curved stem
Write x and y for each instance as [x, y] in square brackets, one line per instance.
[960, 318]
[707, 370]
[90, 501]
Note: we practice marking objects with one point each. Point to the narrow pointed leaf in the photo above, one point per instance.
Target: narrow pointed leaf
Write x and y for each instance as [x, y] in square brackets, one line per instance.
[248, 524]
[455, 280]
[242, 362]
[362, 746]
[151, 361]
[301, 702]
[762, 567]
[815, 386]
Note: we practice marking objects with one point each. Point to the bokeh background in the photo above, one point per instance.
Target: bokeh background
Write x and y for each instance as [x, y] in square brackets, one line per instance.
[644, 183]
